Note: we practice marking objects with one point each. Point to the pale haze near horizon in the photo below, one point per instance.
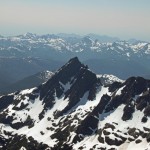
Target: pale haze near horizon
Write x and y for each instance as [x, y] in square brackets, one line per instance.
[120, 18]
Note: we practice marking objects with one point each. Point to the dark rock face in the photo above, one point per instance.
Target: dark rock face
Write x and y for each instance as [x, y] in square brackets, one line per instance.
[84, 82]
[63, 75]
[128, 111]
[116, 142]
[5, 101]
[134, 132]
[93, 89]
[90, 123]
[28, 143]
[132, 87]
[147, 111]
[136, 85]
[144, 119]
[114, 86]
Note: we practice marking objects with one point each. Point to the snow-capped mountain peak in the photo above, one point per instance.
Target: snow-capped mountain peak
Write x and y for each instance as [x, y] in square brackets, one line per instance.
[77, 109]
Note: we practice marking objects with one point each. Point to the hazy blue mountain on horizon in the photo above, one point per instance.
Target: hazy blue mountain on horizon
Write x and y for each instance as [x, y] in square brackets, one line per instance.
[27, 82]
[103, 38]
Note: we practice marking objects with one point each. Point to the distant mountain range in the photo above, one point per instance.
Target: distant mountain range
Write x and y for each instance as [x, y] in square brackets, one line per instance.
[77, 110]
[45, 46]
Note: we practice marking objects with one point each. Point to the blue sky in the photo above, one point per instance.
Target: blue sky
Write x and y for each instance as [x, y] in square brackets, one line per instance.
[122, 18]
